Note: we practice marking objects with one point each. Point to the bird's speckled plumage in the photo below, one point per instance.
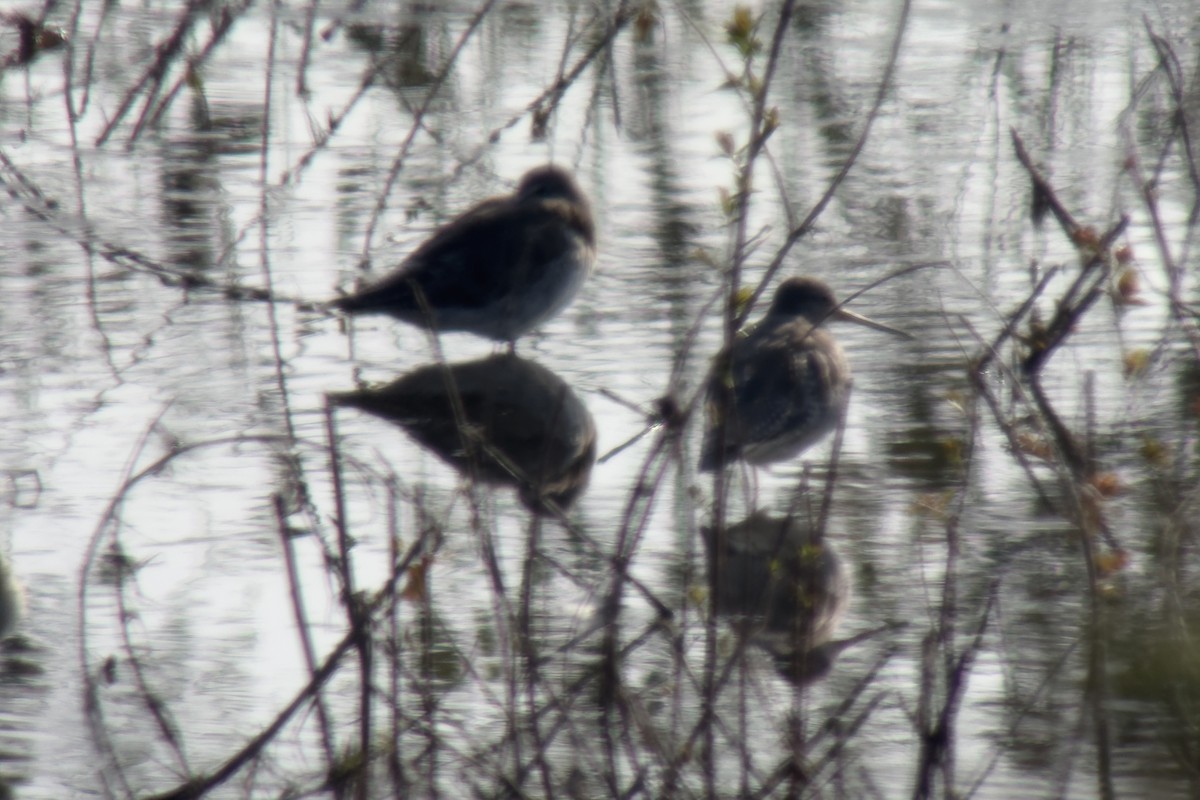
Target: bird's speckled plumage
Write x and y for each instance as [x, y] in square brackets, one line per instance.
[783, 385]
[500, 269]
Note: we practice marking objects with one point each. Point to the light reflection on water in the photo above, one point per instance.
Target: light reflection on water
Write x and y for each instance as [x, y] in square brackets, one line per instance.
[96, 360]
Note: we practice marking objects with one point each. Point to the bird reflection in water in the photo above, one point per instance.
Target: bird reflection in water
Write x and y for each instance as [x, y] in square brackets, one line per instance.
[784, 591]
[522, 425]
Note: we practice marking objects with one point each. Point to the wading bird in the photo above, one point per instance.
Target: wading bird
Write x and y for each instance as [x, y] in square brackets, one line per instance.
[785, 384]
[500, 269]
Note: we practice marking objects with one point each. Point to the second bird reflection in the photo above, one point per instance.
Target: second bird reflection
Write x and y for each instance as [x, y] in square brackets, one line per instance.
[784, 591]
[522, 425]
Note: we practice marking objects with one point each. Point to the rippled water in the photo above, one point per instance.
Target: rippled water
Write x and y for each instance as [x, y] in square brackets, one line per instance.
[176, 588]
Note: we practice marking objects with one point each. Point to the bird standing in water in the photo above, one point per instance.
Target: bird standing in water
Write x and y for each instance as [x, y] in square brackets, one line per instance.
[500, 269]
[784, 385]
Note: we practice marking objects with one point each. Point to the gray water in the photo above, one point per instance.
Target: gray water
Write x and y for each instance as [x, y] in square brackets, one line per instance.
[105, 368]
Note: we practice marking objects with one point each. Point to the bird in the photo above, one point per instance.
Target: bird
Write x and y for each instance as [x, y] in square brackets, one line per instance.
[785, 384]
[786, 589]
[521, 424]
[500, 269]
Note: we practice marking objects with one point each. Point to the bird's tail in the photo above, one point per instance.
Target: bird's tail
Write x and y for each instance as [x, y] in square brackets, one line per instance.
[390, 296]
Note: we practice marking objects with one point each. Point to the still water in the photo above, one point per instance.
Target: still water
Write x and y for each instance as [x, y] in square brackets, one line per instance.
[161, 441]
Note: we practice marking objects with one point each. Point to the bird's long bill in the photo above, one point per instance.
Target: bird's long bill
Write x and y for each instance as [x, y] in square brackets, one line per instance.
[850, 316]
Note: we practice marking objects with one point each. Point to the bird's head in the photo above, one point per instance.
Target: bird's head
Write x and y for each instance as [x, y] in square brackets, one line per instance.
[814, 301]
[549, 183]
[804, 297]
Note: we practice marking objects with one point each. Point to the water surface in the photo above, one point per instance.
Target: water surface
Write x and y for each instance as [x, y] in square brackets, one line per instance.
[160, 634]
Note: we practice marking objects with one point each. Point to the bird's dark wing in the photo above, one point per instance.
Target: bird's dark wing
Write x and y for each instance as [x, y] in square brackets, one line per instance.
[434, 265]
[477, 259]
[768, 388]
[777, 383]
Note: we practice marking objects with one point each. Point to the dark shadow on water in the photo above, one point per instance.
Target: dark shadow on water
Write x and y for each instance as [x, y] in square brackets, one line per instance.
[783, 591]
[504, 419]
